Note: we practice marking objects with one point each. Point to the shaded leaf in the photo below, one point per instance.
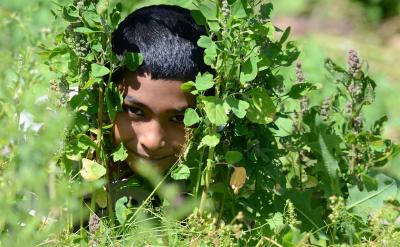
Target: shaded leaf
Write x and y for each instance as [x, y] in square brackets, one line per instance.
[133, 60]
[209, 9]
[364, 202]
[238, 107]
[262, 109]
[233, 157]
[249, 69]
[121, 211]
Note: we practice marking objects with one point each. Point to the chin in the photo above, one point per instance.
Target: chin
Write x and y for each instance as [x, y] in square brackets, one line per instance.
[137, 164]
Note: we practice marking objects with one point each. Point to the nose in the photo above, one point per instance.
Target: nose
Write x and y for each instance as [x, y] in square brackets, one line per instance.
[152, 137]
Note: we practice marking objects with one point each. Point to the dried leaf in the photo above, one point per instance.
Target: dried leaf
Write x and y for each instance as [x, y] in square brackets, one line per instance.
[238, 178]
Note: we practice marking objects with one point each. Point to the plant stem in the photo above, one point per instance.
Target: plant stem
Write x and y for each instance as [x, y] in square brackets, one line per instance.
[196, 192]
[208, 176]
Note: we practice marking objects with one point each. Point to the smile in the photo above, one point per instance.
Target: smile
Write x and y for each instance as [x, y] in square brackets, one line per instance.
[149, 158]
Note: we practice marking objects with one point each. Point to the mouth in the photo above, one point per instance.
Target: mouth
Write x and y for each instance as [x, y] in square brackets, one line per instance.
[152, 159]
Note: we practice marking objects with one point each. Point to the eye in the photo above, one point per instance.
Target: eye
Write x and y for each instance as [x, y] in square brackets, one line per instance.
[178, 118]
[134, 111]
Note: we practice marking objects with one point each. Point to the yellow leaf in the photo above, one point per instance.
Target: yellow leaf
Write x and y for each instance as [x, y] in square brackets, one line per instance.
[92, 170]
[238, 179]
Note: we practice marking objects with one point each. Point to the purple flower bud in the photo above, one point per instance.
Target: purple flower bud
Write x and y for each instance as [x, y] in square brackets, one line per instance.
[357, 123]
[225, 8]
[354, 65]
[304, 104]
[299, 73]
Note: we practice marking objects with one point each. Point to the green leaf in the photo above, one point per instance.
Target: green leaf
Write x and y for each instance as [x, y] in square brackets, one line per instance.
[365, 202]
[204, 81]
[210, 52]
[262, 109]
[369, 182]
[99, 70]
[198, 17]
[238, 107]
[102, 6]
[133, 60]
[191, 117]
[266, 10]
[249, 69]
[84, 30]
[91, 18]
[233, 157]
[113, 100]
[209, 9]
[187, 87]
[210, 141]
[91, 170]
[86, 141]
[238, 9]
[330, 164]
[213, 106]
[181, 172]
[285, 35]
[121, 211]
[204, 41]
[121, 154]
[296, 90]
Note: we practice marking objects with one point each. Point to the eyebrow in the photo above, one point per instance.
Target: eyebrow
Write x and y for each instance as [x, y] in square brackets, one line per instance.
[131, 100]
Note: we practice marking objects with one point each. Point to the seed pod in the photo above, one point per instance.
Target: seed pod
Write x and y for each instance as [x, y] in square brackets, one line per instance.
[238, 178]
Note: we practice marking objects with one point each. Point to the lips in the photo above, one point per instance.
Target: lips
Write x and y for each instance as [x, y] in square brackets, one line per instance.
[151, 158]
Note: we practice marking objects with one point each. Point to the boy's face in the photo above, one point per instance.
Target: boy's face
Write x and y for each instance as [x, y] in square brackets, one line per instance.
[151, 123]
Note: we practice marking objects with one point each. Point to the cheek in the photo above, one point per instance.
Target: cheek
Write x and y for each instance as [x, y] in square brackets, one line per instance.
[176, 135]
[122, 128]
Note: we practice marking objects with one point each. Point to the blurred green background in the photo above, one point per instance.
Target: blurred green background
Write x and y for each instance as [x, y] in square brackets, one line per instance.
[322, 28]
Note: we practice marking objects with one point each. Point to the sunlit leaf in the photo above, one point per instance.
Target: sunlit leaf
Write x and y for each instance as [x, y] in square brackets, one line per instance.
[181, 172]
[204, 81]
[209, 140]
[191, 117]
[91, 170]
[213, 106]
[121, 154]
[99, 70]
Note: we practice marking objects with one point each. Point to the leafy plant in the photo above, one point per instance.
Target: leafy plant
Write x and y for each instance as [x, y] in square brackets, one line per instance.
[261, 166]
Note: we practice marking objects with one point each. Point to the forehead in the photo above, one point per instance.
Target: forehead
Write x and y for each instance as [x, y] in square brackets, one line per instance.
[158, 95]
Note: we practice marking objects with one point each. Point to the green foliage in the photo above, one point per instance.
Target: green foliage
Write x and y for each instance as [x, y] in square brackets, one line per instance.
[261, 167]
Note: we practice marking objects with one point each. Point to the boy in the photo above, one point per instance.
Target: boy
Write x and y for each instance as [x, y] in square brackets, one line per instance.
[151, 124]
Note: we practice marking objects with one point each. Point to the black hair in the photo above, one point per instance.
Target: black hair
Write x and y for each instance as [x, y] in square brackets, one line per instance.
[167, 37]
